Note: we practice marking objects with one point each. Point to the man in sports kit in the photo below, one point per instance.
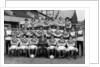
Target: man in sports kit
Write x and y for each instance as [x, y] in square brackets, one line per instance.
[48, 33]
[28, 33]
[65, 34]
[57, 33]
[40, 32]
[27, 24]
[24, 45]
[71, 47]
[52, 46]
[33, 42]
[80, 40]
[61, 47]
[25, 31]
[68, 23]
[32, 22]
[14, 45]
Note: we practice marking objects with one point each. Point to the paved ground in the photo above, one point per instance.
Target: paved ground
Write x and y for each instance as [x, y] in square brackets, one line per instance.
[42, 60]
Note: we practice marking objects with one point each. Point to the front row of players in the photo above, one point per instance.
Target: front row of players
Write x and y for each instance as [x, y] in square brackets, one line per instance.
[52, 47]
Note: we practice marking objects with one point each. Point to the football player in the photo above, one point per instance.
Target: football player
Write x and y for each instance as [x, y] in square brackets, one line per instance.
[52, 46]
[33, 46]
[68, 23]
[61, 47]
[71, 47]
[24, 45]
[40, 32]
[14, 45]
[57, 33]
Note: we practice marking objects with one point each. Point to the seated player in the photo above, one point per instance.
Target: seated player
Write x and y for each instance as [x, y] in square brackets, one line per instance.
[14, 45]
[61, 47]
[33, 46]
[71, 47]
[52, 46]
[42, 45]
[24, 45]
[40, 32]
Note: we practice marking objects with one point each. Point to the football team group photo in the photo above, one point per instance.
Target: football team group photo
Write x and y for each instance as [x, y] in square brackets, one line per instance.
[44, 36]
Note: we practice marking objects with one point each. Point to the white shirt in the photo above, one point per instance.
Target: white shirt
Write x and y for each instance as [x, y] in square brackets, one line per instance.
[81, 38]
[8, 32]
[22, 22]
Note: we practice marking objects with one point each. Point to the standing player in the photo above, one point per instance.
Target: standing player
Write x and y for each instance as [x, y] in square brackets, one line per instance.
[57, 33]
[68, 23]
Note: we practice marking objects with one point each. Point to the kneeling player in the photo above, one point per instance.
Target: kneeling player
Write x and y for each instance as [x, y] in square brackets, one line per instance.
[14, 45]
[52, 47]
[61, 47]
[71, 47]
[33, 46]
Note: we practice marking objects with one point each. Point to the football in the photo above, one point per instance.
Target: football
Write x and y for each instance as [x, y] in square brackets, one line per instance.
[32, 55]
[51, 57]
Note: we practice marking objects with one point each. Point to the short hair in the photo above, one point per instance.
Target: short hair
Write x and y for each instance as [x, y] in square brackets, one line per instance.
[67, 18]
[26, 19]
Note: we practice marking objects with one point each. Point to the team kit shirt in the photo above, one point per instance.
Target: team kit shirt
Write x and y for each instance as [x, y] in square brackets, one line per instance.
[29, 33]
[71, 45]
[33, 43]
[24, 43]
[65, 34]
[14, 43]
[61, 44]
[49, 33]
[68, 24]
[27, 25]
[57, 33]
[39, 33]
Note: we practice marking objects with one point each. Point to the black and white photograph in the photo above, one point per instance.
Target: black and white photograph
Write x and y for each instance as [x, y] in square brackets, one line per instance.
[44, 36]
